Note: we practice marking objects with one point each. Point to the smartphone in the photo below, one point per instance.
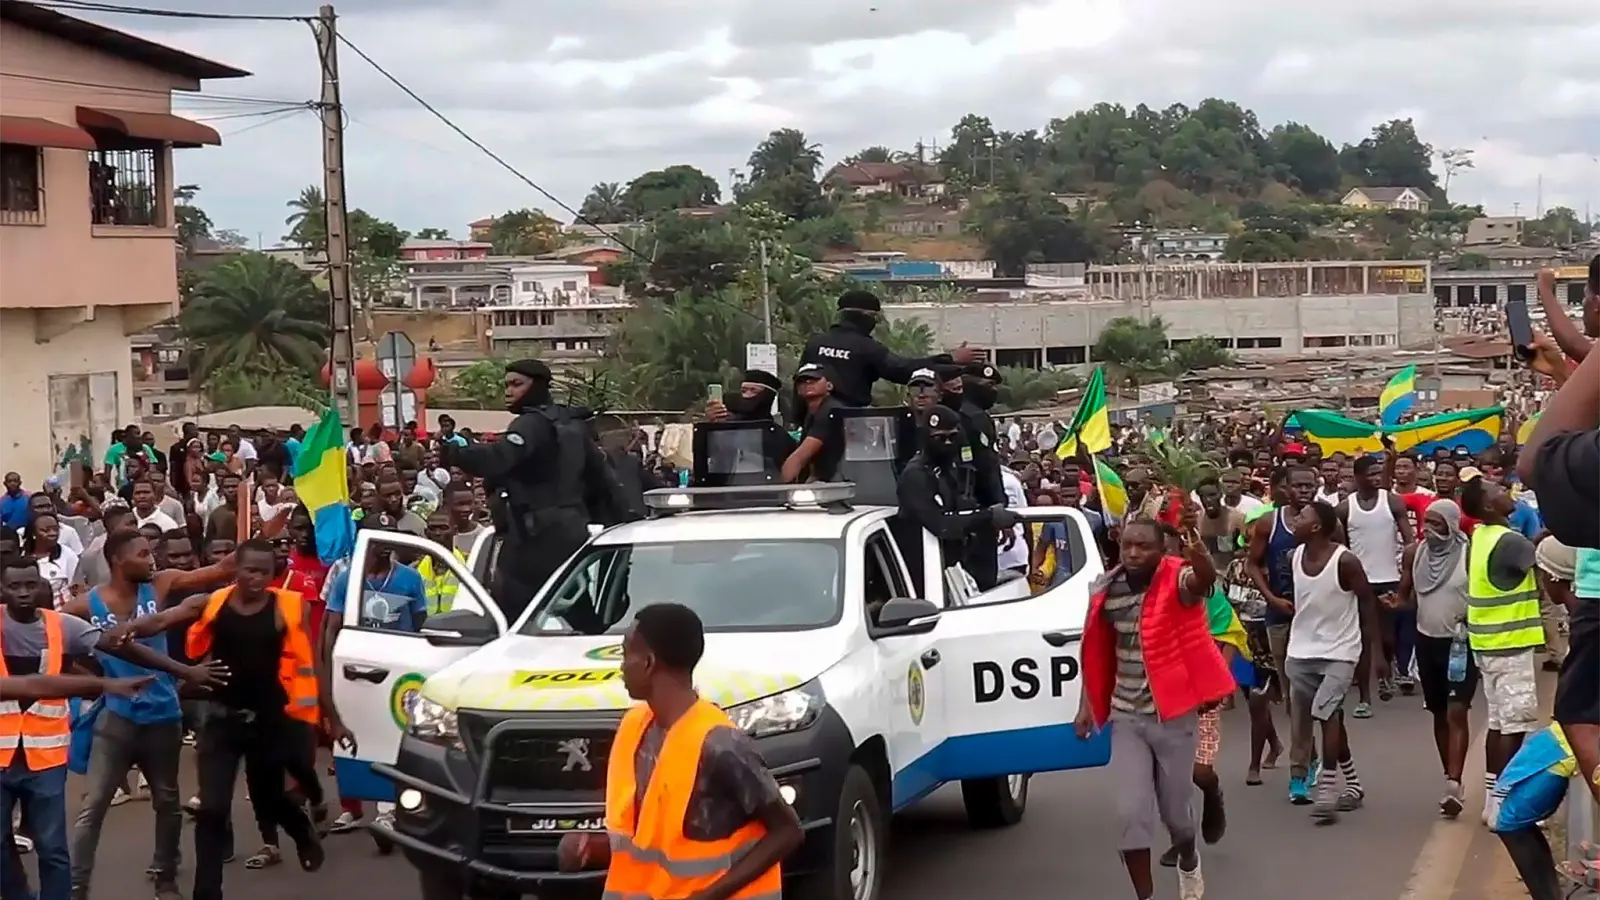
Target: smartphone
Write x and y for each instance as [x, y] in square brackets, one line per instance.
[714, 391]
[1521, 328]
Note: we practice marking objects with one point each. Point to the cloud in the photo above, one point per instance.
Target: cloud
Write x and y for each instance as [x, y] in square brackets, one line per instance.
[576, 93]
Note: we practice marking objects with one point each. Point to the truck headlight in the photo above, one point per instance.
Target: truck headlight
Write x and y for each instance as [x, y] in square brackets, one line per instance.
[432, 721]
[791, 710]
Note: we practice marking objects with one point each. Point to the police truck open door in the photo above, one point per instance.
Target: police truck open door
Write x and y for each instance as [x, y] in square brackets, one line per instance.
[377, 671]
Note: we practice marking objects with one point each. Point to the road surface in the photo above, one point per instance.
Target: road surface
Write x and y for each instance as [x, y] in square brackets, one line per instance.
[1395, 847]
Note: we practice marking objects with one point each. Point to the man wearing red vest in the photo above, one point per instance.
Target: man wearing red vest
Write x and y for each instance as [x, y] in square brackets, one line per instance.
[691, 811]
[1149, 667]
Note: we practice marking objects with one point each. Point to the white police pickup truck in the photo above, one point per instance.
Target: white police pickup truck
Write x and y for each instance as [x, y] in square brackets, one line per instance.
[492, 736]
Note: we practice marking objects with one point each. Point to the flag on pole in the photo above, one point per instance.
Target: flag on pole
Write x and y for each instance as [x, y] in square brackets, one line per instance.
[321, 482]
[1398, 396]
[1092, 423]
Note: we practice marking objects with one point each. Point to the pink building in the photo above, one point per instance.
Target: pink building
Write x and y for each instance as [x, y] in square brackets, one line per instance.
[87, 238]
[432, 250]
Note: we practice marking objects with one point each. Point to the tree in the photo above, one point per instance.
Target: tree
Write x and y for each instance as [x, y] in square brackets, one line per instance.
[1261, 246]
[480, 385]
[785, 152]
[1558, 227]
[255, 384]
[605, 204]
[255, 313]
[1132, 348]
[1021, 226]
[374, 236]
[1026, 388]
[1392, 157]
[1304, 159]
[1453, 160]
[672, 188]
[229, 237]
[525, 232]
[1204, 352]
[308, 219]
[433, 234]
[875, 154]
[192, 221]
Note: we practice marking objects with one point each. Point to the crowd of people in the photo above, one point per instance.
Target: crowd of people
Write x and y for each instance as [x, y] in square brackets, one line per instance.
[184, 587]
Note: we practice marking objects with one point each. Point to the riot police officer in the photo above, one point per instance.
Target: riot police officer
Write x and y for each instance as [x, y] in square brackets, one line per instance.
[969, 390]
[857, 359]
[936, 493]
[547, 480]
[756, 402]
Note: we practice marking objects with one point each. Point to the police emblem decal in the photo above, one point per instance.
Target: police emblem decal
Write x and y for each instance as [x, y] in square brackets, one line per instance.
[916, 697]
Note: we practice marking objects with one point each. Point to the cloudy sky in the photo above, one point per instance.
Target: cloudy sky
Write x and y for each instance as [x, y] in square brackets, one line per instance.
[578, 91]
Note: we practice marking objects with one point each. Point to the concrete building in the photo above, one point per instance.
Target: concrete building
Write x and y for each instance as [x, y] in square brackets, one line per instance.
[1495, 230]
[87, 238]
[1260, 310]
[1166, 247]
[1512, 256]
[1493, 287]
[161, 385]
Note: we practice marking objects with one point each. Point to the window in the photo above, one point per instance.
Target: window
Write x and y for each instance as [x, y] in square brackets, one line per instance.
[1066, 356]
[734, 585]
[885, 579]
[125, 187]
[1488, 294]
[569, 285]
[1337, 340]
[1258, 343]
[530, 287]
[20, 190]
[1441, 294]
[1517, 292]
[1575, 293]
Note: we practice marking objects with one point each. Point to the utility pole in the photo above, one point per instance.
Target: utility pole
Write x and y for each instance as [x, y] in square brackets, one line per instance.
[766, 298]
[343, 362]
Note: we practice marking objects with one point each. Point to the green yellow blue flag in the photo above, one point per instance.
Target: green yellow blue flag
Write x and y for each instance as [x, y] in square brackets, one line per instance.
[1113, 493]
[1092, 424]
[1475, 429]
[1398, 396]
[322, 483]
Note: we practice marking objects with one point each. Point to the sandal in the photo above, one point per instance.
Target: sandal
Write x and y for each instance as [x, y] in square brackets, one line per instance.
[1252, 778]
[1363, 711]
[1274, 753]
[267, 856]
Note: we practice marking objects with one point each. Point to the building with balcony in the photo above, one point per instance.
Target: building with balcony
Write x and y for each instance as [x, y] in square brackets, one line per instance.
[1258, 310]
[88, 247]
[1185, 246]
[161, 388]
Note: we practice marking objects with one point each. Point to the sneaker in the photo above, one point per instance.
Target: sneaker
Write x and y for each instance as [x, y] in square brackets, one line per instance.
[24, 844]
[1407, 685]
[345, 823]
[1325, 813]
[1452, 803]
[192, 805]
[120, 797]
[1191, 884]
[1299, 793]
[1349, 802]
[1491, 810]
[1363, 711]
[1385, 690]
[188, 739]
[1313, 772]
[384, 820]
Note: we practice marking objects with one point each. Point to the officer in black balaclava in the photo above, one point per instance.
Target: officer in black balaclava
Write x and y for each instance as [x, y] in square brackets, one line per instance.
[757, 401]
[936, 493]
[969, 390]
[547, 480]
[857, 359]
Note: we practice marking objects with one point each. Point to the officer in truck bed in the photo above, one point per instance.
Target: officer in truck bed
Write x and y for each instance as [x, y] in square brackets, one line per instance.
[857, 359]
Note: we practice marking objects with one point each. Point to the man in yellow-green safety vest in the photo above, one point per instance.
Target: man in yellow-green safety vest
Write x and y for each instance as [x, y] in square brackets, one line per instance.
[440, 584]
[1503, 624]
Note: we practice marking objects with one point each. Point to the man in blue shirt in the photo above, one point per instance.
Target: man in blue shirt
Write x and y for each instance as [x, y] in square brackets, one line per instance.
[14, 504]
[394, 596]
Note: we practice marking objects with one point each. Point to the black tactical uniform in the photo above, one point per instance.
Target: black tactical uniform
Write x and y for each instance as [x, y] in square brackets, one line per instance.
[936, 494]
[758, 394]
[857, 359]
[547, 480]
[970, 391]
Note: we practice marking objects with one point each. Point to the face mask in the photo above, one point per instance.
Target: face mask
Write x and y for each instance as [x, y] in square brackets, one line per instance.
[943, 446]
[861, 320]
[1436, 540]
[743, 407]
[951, 399]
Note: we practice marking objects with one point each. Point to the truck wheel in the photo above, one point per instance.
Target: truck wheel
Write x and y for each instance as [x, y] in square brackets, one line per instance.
[854, 870]
[995, 802]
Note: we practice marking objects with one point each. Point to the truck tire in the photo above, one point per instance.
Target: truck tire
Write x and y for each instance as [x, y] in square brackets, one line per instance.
[995, 802]
[860, 847]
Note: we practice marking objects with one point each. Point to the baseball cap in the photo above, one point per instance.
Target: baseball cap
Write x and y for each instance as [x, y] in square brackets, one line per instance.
[1467, 473]
[811, 371]
[923, 377]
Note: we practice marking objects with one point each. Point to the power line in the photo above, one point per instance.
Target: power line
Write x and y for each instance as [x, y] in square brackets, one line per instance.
[117, 9]
[72, 82]
[296, 107]
[270, 119]
[516, 173]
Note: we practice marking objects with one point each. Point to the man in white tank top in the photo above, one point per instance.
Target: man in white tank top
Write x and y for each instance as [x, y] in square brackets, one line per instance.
[1378, 531]
[1335, 625]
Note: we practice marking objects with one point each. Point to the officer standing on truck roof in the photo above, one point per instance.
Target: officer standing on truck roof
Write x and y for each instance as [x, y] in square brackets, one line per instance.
[857, 359]
[970, 391]
[936, 493]
[545, 477]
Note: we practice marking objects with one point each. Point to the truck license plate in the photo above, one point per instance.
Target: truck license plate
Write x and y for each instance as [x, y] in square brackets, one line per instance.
[552, 824]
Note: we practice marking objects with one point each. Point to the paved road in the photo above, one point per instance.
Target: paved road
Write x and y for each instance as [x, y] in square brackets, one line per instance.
[1066, 841]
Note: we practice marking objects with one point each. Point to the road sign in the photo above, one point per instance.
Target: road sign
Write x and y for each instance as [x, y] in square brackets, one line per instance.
[397, 355]
[763, 357]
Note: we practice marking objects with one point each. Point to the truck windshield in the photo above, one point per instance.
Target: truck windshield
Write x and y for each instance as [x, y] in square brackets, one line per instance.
[780, 585]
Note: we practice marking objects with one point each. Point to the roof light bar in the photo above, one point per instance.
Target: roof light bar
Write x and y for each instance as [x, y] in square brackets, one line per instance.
[674, 500]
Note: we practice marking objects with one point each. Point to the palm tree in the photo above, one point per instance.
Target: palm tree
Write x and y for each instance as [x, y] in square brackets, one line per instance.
[785, 152]
[605, 204]
[256, 312]
[308, 219]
